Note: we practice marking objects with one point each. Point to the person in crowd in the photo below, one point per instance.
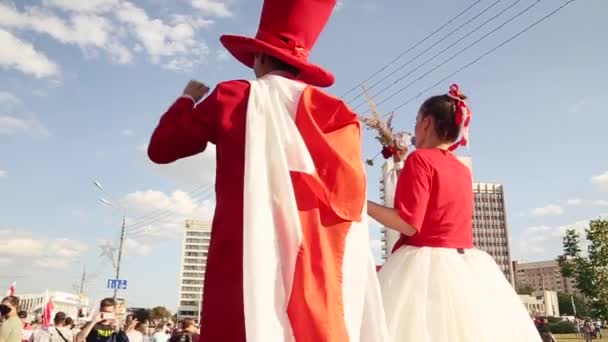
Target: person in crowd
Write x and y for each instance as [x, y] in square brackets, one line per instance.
[161, 333]
[142, 327]
[436, 286]
[105, 326]
[27, 327]
[588, 331]
[60, 332]
[69, 322]
[598, 328]
[134, 334]
[187, 332]
[11, 329]
[545, 331]
[40, 333]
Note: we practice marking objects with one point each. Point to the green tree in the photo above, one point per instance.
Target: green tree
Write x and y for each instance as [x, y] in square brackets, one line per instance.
[525, 290]
[591, 272]
[580, 304]
[160, 313]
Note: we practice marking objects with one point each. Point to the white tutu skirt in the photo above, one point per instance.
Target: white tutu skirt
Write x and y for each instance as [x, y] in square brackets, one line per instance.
[439, 295]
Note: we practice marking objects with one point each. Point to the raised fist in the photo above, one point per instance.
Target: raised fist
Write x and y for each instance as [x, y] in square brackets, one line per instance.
[196, 89]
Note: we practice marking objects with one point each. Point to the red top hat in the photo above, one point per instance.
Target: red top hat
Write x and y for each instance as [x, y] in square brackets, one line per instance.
[288, 30]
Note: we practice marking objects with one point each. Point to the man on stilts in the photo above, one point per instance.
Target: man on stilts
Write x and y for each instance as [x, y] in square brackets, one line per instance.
[289, 257]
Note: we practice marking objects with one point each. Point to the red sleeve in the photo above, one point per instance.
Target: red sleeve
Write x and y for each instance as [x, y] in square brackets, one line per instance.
[413, 190]
[185, 130]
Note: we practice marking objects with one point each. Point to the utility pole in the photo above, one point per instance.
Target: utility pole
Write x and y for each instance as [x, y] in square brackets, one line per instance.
[122, 238]
[84, 274]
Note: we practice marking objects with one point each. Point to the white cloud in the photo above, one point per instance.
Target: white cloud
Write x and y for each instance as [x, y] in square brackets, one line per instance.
[127, 132]
[92, 6]
[601, 203]
[155, 214]
[131, 246]
[574, 201]
[15, 119]
[11, 125]
[543, 242]
[7, 99]
[40, 250]
[550, 209]
[3, 174]
[601, 181]
[176, 42]
[118, 28]
[22, 56]
[189, 172]
[89, 31]
[214, 8]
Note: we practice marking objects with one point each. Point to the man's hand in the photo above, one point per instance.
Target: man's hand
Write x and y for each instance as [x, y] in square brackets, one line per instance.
[98, 317]
[196, 90]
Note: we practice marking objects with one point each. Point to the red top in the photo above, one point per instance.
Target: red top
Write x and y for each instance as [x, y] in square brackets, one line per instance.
[183, 131]
[435, 195]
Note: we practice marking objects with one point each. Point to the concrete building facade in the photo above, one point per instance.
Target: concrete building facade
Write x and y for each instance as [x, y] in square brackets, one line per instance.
[195, 245]
[388, 183]
[490, 231]
[543, 275]
[541, 303]
[69, 303]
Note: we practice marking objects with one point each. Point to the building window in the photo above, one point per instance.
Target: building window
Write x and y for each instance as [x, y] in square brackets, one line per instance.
[189, 303]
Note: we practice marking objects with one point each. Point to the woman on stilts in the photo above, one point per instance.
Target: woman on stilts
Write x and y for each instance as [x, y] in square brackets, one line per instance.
[436, 286]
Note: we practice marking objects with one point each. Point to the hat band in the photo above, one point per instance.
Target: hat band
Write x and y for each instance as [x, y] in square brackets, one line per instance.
[294, 47]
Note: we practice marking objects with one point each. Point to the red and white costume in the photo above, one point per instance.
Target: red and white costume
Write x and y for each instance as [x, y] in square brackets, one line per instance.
[435, 285]
[289, 257]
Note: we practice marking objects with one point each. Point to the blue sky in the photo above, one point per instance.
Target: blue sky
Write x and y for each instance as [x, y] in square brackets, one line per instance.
[83, 84]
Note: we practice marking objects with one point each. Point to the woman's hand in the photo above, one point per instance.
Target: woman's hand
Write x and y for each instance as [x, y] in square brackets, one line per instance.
[400, 155]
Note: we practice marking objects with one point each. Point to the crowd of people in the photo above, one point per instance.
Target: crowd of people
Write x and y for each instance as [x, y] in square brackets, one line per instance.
[587, 329]
[104, 326]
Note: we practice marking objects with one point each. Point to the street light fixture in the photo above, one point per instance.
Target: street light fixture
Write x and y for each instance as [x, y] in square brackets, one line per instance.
[122, 231]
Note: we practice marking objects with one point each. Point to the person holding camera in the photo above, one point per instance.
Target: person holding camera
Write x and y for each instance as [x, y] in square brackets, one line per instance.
[12, 328]
[104, 326]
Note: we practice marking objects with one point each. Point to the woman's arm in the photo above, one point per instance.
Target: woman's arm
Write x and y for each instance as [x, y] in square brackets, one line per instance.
[390, 218]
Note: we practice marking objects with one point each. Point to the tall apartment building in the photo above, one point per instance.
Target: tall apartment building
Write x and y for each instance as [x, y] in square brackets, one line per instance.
[388, 182]
[197, 235]
[490, 232]
[543, 276]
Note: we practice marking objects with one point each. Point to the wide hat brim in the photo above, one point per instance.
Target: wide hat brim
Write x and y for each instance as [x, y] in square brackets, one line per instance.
[244, 48]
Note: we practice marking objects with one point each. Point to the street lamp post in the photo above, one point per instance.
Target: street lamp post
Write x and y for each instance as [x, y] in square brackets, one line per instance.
[122, 238]
[114, 205]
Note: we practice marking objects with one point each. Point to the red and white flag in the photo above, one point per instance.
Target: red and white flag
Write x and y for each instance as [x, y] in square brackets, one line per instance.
[11, 289]
[48, 312]
[305, 277]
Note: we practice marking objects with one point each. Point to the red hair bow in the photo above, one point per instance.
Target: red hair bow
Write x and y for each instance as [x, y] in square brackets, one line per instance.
[463, 116]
